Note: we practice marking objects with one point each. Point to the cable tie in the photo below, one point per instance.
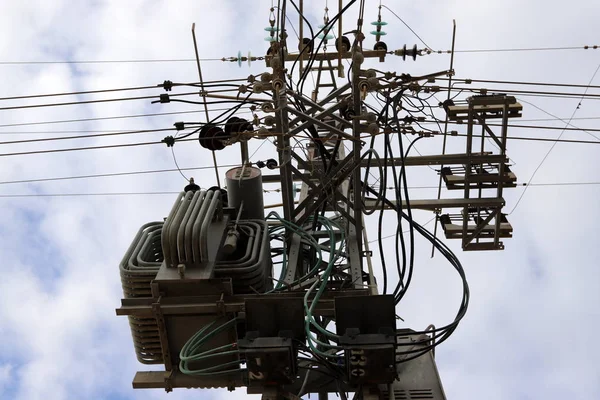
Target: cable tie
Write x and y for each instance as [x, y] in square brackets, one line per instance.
[179, 126]
[164, 98]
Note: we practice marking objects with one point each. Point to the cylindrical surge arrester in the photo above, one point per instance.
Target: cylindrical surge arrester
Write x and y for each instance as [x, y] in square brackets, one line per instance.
[244, 185]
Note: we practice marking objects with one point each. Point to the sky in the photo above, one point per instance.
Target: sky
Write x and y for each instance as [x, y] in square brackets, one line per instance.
[530, 329]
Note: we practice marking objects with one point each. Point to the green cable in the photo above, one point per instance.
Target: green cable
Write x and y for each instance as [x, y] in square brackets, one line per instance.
[197, 340]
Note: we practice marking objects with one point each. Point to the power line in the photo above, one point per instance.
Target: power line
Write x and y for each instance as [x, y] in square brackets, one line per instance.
[177, 60]
[553, 145]
[574, 128]
[114, 174]
[17, 195]
[71, 103]
[108, 61]
[22, 153]
[409, 28]
[117, 133]
[33, 96]
[592, 96]
[160, 85]
[111, 146]
[65, 121]
[524, 83]
[594, 47]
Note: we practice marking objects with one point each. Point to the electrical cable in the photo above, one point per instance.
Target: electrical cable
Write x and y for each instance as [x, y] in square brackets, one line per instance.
[524, 83]
[409, 28]
[17, 195]
[104, 118]
[586, 47]
[72, 103]
[33, 96]
[553, 145]
[141, 61]
[118, 133]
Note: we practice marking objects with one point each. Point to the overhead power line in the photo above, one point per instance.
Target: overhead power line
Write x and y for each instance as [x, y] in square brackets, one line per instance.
[524, 83]
[142, 61]
[537, 127]
[590, 96]
[71, 103]
[65, 121]
[105, 134]
[112, 175]
[17, 195]
[33, 96]
[22, 153]
[184, 60]
[555, 143]
[585, 47]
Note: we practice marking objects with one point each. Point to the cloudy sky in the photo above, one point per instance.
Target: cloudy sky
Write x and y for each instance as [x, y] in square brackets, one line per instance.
[529, 332]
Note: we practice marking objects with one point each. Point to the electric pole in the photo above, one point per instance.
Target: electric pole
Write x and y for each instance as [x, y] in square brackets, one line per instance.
[225, 294]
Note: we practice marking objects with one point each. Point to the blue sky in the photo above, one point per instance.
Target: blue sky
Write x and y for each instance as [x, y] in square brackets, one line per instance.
[529, 331]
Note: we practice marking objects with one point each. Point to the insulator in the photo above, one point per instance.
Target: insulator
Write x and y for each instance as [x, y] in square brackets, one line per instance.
[373, 128]
[236, 125]
[325, 34]
[269, 120]
[211, 137]
[306, 43]
[379, 23]
[345, 44]
[267, 107]
[277, 84]
[378, 33]
[191, 186]
[271, 163]
[347, 112]
[404, 52]
[380, 46]
[271, 29]
[326, 37]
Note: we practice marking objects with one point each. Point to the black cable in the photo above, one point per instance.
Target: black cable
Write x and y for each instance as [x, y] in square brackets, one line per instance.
[16, 195]
[72, 103]
[586, 47]
[409, 28]
[108, 175]
[118, 133]
[108, 61]
[524, 83]
[103, 118]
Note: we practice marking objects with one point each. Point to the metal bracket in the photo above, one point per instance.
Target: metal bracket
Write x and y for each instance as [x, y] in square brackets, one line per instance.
[221, 305]
[168, 382]
[162, 333]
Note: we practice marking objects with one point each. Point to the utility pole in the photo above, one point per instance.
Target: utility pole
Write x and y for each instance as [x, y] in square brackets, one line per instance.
[201, 291]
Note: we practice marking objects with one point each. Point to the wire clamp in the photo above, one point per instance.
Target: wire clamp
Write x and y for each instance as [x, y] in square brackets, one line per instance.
[169, 141]
[164, 98]
[167, 85]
